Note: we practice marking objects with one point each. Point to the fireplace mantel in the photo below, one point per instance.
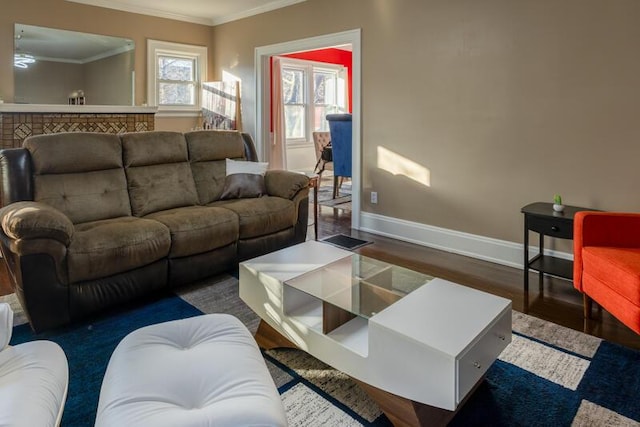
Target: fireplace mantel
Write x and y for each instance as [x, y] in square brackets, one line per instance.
[76, 109]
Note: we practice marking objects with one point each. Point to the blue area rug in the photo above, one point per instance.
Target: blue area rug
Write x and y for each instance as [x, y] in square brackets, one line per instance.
[548, 376]
[510, 396]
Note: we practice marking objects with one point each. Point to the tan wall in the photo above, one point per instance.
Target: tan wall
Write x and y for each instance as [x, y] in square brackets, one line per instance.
[504, 102]
[108, 80]
[77, 17]
[50, 82]
[178, 124]
[47, 82]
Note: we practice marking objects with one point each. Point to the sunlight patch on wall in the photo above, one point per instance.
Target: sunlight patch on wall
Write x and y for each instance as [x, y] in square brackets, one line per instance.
[396, 164]
[228, 77]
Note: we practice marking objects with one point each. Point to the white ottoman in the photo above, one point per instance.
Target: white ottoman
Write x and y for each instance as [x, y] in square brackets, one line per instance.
[33, 379]
[202, 371]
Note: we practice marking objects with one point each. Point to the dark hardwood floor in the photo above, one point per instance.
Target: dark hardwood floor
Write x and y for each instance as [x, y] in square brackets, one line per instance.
[556, 300]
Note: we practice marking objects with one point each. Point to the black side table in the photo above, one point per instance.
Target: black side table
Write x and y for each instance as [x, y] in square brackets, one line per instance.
[542, 219]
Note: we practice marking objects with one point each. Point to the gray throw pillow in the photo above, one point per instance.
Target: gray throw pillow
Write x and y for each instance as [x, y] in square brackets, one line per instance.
[244, 180]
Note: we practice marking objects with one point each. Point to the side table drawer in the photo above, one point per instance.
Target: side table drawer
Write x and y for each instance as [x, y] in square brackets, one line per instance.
[551, 227]
[473, 364]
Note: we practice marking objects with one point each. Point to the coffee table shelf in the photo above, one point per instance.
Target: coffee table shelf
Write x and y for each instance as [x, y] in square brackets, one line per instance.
[353, 335]
[309, 315]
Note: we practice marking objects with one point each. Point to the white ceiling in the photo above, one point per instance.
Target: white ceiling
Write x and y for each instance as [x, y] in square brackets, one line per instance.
[207, 12]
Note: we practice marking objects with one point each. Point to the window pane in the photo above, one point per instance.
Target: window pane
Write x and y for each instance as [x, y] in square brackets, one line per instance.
[320, 113]
[176, 94]
[172, 68]
[324, 87]
[292, 86]
[320, 123]
[294, 121]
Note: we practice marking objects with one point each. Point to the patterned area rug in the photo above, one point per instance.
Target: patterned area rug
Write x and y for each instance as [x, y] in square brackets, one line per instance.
[325, 196]
[549, 375]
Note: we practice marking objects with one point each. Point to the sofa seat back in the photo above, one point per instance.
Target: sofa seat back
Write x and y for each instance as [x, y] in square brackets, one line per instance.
[80, 174]
[158, 172]
[207, 153]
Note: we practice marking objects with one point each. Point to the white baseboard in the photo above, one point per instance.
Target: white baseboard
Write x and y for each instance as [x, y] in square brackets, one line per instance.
[486, 248]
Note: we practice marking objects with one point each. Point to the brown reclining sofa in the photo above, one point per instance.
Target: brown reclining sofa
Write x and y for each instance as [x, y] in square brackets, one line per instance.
[92, 220]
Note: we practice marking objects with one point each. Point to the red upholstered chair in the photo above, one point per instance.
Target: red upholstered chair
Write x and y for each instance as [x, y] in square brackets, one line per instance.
[606, 265]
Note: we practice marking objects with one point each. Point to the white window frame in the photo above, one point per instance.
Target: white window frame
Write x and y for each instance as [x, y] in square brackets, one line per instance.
[299, 66]
[156, 48]
[308, 67]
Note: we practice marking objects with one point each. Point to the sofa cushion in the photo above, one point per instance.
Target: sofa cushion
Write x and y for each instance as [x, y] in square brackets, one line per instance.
[261, 216]
[158, 172]
[616, 267]
[208, 145]
[207, 153]
[75, 152]
[198, 229]
[80, 174]
[104, 248]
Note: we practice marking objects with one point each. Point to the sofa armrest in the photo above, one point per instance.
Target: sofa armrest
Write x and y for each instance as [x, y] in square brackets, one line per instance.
[285, 184]
[613, 229]
[34, 220]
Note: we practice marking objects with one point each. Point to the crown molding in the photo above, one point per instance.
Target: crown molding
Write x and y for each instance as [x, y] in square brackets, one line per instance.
[110, 4]
[278, 4]
[102, 55]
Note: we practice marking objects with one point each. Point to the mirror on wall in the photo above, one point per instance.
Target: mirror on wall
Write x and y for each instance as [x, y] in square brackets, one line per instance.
[51, 66]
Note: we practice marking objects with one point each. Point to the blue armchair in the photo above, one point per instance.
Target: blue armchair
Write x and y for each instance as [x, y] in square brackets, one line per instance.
[341, 135]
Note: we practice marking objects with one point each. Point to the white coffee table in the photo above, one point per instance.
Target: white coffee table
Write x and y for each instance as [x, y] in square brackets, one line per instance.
[416, 344]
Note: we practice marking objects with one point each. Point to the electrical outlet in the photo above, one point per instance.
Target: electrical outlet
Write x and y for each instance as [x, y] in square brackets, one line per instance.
[374, 197]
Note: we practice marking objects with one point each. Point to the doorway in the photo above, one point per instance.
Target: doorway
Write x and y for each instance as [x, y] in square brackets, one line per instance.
[263, 98]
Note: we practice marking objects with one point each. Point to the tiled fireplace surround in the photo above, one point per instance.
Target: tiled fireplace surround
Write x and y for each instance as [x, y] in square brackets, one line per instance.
[15, 126]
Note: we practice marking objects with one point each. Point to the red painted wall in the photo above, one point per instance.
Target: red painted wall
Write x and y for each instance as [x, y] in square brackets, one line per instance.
[331, 56]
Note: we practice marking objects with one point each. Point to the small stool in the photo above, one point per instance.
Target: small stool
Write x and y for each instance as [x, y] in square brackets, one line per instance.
[205, 370]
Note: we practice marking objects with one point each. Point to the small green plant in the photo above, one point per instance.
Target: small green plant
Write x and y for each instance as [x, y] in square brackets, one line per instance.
[557, 199]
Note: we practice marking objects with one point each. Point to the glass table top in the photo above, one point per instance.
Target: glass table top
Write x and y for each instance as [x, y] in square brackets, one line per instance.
[358, 284]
